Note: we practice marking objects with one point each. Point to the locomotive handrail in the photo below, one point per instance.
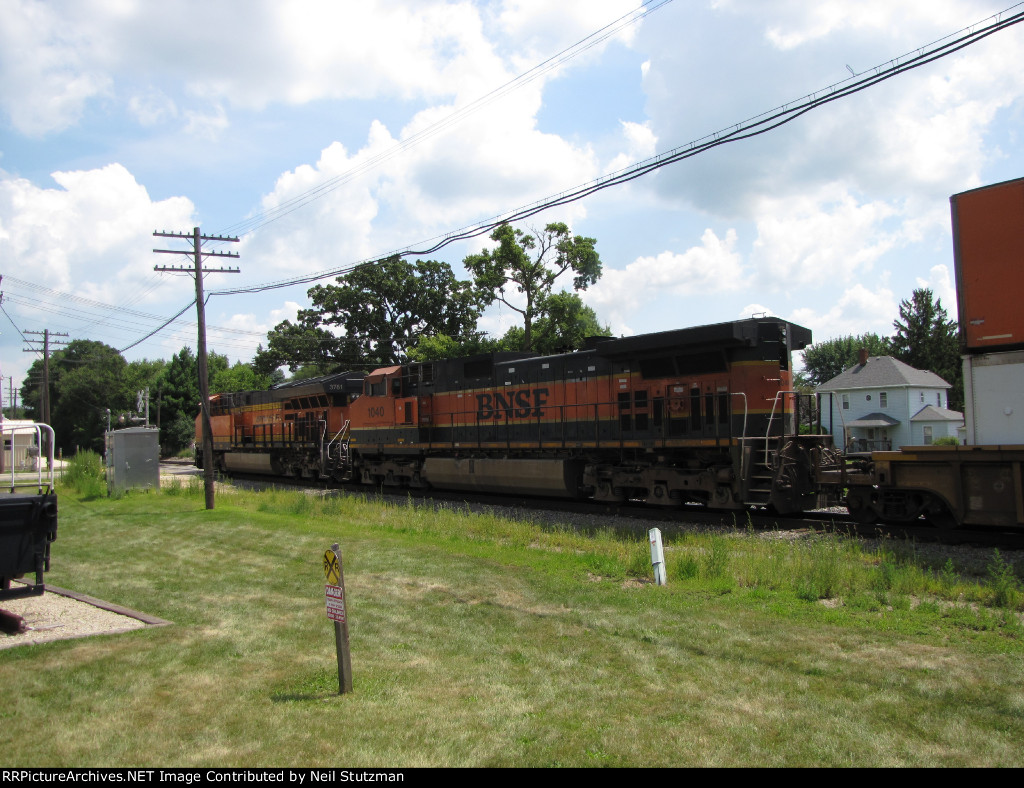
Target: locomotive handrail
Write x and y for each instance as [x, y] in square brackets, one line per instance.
[831, 421]
[771, 418]
[326, 453]
[743, 437]
[39, 478]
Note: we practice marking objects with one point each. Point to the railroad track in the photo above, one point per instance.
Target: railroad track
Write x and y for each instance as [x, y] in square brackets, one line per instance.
[636, 517]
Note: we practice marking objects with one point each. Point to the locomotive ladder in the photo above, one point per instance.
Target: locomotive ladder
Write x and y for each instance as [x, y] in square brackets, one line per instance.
[342, 440]
[765, 469]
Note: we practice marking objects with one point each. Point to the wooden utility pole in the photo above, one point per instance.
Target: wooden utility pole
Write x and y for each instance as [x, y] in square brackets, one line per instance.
[204, 384]
[44, 390]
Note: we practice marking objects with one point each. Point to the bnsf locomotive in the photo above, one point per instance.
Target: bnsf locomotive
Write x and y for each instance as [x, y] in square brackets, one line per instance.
[704, 414]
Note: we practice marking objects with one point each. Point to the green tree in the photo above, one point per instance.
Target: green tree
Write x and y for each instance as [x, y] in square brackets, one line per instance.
[89, 377]
[926, 338]
[565, 328]
[385, 308]
[239, 377]
[179, 396]
[531, 262]
[566, 325]
[441, 346]
[824, 360]
[305, 345]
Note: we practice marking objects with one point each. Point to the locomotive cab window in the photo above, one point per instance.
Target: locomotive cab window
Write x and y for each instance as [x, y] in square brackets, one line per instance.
[376, 388]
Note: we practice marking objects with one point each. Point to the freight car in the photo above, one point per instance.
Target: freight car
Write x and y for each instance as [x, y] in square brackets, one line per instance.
[979, 484]
[705, 414]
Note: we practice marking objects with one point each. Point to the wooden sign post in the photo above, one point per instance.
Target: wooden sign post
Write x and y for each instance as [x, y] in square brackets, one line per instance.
[335, 593]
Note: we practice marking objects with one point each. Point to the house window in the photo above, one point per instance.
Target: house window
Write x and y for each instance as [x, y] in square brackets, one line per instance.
[883, 400]
[938, 399]
[922, 396]
[927, 436]
[846, 401]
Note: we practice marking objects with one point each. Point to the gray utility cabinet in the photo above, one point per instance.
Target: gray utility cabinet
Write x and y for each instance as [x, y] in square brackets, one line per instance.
[133, 458]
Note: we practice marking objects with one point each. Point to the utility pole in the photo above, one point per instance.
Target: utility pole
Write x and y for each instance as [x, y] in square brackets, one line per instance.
[44, 390]
[204, 384]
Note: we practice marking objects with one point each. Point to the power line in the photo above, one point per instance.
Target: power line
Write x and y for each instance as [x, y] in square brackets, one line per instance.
[752, 127]
[100, 305]
[266, 217]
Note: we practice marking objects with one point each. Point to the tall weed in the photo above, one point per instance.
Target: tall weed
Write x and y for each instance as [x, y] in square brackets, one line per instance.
[86, 475]
[1004, 583]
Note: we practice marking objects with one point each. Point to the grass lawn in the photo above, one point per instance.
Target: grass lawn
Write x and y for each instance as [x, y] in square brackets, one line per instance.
[478, 641]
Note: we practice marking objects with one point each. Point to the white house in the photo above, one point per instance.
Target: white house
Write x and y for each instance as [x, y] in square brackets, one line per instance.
[881, 404]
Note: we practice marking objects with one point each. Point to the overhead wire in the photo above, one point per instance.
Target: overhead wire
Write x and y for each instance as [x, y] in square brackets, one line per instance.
[612, 28]
[755, 126]
[752, 127]
[456, 116]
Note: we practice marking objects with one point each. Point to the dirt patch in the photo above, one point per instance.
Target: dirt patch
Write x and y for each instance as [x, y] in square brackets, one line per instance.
[60, 614]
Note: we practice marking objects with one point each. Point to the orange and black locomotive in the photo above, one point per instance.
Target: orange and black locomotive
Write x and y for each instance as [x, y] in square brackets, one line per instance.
[705, 414]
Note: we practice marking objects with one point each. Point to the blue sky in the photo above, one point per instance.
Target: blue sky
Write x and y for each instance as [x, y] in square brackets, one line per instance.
[118, 117]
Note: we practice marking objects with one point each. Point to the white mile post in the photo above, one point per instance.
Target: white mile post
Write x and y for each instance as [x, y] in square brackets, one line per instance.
[657, 556]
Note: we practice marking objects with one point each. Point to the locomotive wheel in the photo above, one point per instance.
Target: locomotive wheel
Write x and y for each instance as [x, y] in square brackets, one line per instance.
[860, 508]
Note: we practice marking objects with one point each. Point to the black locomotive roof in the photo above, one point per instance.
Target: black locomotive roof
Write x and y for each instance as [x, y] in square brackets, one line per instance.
[736, 334]
[338, 383]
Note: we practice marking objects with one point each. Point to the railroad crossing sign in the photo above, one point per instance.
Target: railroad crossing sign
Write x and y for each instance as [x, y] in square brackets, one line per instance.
[335, 595]
[332, 569]
[336, 603]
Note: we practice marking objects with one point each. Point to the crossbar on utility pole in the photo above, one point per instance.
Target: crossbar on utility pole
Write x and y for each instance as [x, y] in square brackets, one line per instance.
[204, 384]
[44, 390]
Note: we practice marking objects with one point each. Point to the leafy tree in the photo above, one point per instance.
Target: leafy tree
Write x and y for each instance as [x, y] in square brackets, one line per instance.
[567, 324]
[240, 377]
[305, 345]
[91, 377]
[565, 328]
[824, 360]
[926, 338]
[531, 262]
[440, 346]
[385, 308]
[179, 396]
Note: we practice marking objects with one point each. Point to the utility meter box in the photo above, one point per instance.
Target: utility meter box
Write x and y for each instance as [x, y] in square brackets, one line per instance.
[133, 458]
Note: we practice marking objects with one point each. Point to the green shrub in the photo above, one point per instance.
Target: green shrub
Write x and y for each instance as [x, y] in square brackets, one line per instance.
[1004, 583]
[85, 474]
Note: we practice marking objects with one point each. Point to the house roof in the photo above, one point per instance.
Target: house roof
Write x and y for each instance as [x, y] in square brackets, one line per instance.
[882, 372]
[873, 420]
[932, 413]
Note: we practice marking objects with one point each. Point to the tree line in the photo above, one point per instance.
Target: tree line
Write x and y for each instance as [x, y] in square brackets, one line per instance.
[396, 310]
[91, 386]
[924, 337]
[378, 314]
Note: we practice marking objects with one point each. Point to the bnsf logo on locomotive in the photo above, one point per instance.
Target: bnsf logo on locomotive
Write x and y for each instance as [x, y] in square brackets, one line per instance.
[514, 404]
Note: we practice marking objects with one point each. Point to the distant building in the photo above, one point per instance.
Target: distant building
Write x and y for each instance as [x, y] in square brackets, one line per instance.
[881, 404]
[20, 450]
